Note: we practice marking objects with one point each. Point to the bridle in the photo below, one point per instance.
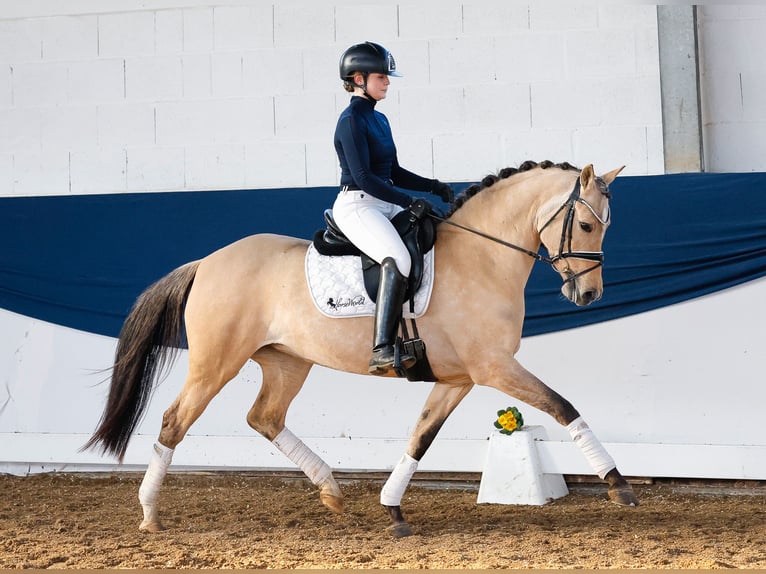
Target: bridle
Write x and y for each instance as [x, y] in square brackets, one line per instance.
[566, 236]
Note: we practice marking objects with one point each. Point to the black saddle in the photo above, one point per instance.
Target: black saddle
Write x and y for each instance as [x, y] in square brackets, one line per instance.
[418, 232]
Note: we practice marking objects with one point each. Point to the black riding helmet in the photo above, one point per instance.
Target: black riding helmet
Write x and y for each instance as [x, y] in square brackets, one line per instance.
[367, 58]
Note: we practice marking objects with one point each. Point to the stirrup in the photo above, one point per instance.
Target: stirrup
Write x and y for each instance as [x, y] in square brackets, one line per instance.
[385, 358]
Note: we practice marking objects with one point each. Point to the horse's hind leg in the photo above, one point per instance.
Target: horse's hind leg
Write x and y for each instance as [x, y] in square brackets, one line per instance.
[283, 377]
[440, 403]
[202, 384]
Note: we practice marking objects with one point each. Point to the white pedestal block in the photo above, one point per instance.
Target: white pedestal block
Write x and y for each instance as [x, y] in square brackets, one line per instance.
[512, 473]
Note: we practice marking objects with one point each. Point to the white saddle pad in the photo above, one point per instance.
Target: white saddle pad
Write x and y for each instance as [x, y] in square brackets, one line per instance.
[337, 286]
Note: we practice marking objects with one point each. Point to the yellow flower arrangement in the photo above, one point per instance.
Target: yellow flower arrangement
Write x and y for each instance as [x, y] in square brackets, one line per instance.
[509, 420]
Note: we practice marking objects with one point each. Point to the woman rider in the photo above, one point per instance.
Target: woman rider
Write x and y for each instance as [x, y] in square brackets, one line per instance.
[368, 198]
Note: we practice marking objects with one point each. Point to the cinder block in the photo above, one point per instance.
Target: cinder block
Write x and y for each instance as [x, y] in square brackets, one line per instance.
[538, 144]
[125, 124]
[611, 147]
[40, 84]
[497, 106]
[627, 16]
[155, 168]
[320, 71]
[36, 173]
[20, 40]
[197, 75]
[154, 78]
[629, 101]
[276, 164]
[359, 23]
[530, 57]
[126, 34]
[98, 171]
[226, 74]
[68, 128]
[169, 32]
[413, 61]
[96, 81]
[243, 27]
[305, 116]
[321, 163]
[419, 112]
[415, 153]
[601, 53]
[484, 19]
[198, 30]
[69, 37]
[563, 15]
[467, 156]
[461, 61]
[215, 167]
[565, 104]
[655, 160]
[210, 122]
[430, 19]
[6, 175]
[303, 24]
[648, 54]
[20, 129]
[271, 72]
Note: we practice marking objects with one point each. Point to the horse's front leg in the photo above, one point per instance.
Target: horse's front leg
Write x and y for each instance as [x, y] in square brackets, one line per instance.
[440, 403]
[523, 385]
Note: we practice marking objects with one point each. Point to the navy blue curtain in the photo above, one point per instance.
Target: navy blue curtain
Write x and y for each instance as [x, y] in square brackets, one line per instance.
[81, 261]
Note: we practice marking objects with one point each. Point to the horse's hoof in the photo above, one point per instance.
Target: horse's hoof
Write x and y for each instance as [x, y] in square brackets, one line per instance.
[400, 530]
[334, 503]
[152, 526]
[623, 495]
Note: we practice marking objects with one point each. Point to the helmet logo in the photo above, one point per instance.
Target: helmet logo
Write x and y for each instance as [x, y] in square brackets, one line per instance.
[391, 63]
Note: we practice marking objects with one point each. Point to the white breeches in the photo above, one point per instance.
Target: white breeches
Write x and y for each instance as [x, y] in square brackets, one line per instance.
[366, 221]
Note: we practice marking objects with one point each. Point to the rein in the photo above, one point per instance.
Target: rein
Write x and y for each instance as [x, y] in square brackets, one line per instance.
[566, 236]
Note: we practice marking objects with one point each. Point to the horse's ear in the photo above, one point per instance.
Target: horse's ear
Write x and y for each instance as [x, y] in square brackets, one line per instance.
[609, 177]
[586, 176]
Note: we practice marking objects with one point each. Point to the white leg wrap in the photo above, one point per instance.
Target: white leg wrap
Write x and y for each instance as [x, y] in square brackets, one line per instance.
[309, 462]
[155, 473]
[397, 483]
[594, 452]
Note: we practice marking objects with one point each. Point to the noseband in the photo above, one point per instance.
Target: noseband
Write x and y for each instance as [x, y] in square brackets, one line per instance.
[566, 236]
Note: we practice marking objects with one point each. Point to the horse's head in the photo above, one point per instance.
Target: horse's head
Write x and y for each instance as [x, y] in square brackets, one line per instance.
[573, 232]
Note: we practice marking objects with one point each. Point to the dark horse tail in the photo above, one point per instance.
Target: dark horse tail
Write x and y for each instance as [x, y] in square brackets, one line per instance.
[149, 341]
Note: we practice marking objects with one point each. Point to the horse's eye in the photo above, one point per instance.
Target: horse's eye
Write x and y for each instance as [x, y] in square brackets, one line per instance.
[586, 227]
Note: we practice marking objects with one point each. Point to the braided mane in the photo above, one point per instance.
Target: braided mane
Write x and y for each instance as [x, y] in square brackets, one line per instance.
[492, 179]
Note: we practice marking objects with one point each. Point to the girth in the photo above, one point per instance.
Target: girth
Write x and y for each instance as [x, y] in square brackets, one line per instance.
[418, 235]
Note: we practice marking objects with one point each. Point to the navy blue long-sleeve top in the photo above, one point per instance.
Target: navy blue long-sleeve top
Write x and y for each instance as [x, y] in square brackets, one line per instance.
[367, 154]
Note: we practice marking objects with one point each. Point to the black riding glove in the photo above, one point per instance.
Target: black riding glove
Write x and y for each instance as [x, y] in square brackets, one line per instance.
[443, 190]
[419, 208]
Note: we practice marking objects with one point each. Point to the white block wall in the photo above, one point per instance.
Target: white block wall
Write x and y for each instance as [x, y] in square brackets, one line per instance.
[733, 78]
[208, 94]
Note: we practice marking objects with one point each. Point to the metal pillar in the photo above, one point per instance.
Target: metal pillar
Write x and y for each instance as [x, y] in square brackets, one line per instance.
[679, 84]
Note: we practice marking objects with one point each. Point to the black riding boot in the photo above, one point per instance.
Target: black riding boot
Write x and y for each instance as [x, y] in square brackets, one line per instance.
[388, 309]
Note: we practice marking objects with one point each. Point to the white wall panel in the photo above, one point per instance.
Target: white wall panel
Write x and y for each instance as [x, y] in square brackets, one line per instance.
[69, 37]
[93, 170]
[153, 79]
[114, 42]
[239, 28]
[161, 168]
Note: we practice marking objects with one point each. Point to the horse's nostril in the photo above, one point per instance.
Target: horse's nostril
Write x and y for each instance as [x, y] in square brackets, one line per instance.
[589, 296]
